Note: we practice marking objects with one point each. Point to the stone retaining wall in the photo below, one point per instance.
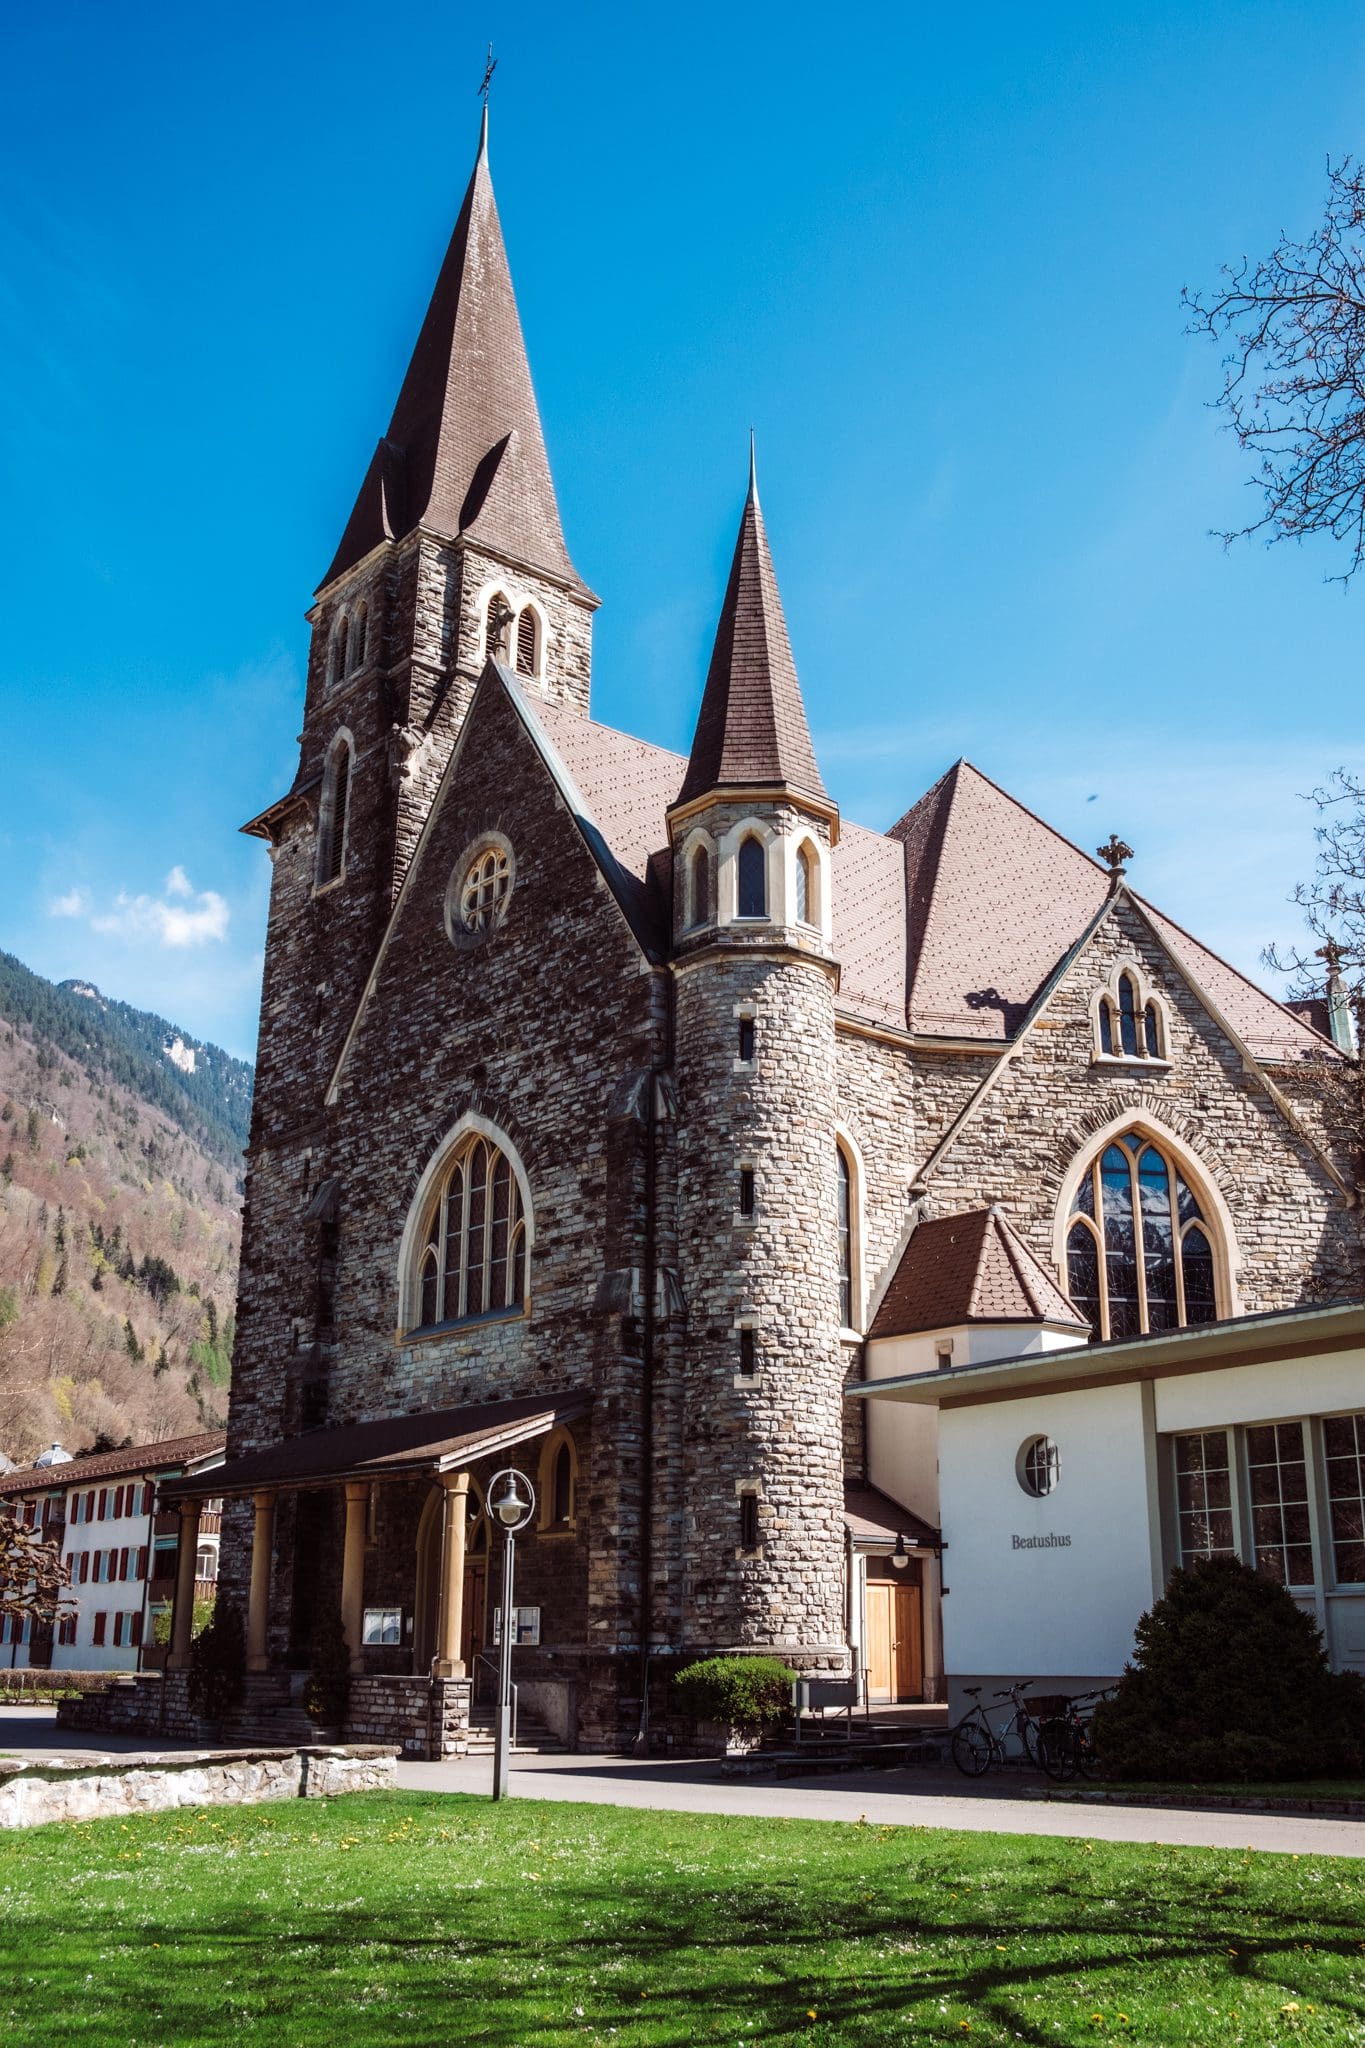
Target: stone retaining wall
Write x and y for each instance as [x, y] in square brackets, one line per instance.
[36, 1793]
[141, 1703]
[422, 1716]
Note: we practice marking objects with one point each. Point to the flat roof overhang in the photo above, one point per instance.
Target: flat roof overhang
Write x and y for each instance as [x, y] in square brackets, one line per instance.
[1283, 1334]
[395, 1447]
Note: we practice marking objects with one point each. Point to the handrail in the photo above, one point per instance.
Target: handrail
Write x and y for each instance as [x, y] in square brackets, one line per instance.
[481, 1657]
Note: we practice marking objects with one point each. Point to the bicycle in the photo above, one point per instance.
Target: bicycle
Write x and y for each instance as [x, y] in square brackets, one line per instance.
[976, 1745]
[1066, 1740]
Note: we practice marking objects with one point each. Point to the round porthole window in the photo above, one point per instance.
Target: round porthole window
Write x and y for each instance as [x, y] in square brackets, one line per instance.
[1037, 1467]
[480, 890]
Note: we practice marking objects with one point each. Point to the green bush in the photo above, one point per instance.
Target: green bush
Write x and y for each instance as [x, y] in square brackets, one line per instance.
[1230, 1681]
[743, 1692]
[218, 1665]
[327, 1695]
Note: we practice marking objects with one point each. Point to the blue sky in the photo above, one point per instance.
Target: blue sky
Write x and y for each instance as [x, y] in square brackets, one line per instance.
[934, 256]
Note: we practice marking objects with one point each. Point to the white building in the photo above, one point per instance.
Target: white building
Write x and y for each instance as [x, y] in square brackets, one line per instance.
[1068, 1482]
[121, 1553]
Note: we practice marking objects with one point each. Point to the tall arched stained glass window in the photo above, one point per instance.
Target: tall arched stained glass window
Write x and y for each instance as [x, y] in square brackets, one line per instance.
[1139, 1251]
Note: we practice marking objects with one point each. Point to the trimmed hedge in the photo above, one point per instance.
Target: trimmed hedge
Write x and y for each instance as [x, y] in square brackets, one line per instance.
[20, 1687]
[743, 1692]
[1230, 1680]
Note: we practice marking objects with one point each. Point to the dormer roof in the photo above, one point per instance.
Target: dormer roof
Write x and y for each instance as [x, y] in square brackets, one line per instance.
[464, 453]
[970, 1268]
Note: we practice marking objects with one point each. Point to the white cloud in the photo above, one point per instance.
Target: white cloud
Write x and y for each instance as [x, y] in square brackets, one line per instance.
[74, 903]
[180, 916]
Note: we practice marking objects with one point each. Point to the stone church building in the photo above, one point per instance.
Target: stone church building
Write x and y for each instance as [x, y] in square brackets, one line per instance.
[614, 1107]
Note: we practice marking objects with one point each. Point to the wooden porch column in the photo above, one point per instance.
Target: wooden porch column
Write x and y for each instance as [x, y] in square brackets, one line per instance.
[448, 1662]
[258, 1605]
[182, 1610]
[353, 1570]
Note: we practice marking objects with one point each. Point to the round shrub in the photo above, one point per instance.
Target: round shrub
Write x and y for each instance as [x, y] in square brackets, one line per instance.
[1231, 1681]
[743, 1692]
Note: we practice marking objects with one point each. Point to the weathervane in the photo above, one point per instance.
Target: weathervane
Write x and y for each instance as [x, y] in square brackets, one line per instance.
[1114, 853]
[489, 69]
[1331, 953]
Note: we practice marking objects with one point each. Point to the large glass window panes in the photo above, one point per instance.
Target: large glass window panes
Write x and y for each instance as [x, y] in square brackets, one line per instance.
[1140, 1254]
[1203, 1483]
[1277, 1481]
[474, 1259]
[1343, 1445]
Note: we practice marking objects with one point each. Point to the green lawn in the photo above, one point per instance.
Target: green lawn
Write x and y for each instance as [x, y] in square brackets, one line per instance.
[424, 1920]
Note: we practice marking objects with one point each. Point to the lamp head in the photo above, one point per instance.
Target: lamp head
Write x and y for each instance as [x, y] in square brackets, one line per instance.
[900, 1556]
[510, 1506]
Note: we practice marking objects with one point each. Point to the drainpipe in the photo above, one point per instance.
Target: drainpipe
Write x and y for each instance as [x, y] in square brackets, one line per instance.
[647, 1363]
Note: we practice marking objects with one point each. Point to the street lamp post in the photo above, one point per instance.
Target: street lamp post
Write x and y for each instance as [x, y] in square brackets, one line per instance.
[512, 1498]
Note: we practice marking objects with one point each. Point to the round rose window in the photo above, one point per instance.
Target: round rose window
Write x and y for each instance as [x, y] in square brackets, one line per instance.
[485, 889]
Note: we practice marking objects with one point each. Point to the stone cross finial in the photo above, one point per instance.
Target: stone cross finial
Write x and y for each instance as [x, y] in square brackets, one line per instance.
[489, 69]
[1114, 853]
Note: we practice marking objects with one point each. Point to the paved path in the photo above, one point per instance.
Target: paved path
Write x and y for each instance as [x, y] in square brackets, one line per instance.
[925, 1799]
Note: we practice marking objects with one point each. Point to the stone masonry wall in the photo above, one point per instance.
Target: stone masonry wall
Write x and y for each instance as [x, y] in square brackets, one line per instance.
[781, 1435]
[1053, 1101]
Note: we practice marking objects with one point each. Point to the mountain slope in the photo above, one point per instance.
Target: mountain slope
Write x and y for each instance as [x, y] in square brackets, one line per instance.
[120, 1198]
[201, 1087]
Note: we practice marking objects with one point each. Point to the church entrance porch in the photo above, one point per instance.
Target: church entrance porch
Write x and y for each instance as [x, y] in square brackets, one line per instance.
[894, 1578]
[383, 1524]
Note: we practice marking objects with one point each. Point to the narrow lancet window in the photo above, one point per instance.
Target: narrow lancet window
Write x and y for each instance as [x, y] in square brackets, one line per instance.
[753, 878]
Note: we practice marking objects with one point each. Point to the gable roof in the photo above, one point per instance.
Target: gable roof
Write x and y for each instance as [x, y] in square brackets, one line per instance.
[970, 1268]
[752, 728]
[134, 1459]
[464, 452]
[996, 898]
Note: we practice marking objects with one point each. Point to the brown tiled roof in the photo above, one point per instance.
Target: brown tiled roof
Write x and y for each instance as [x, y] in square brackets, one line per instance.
[391, 1446]
[995, 899]
[752, 724]
[970, 1268]
[971, 900]
[176, 1451]
[872, 1517]
[464, 452]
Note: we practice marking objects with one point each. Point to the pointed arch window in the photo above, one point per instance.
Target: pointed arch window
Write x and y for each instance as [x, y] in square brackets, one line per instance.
[845, 1221]
[752, 878]
[340, 645]
[1139, 1250]
[1130, 1022]
[334, 815]
[698, 887]
[528, 642]
[807, 909]
[472, 1260]
[497, 620]
[360, 636]
[1128, 1015]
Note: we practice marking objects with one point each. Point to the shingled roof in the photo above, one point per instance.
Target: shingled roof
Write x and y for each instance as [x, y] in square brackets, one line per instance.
[752, 728]
[971, 1268]
[464, 452]
[134, 1459]
[995, 898]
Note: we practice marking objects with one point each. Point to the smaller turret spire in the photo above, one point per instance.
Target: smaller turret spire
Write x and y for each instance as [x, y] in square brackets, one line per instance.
[752, 730]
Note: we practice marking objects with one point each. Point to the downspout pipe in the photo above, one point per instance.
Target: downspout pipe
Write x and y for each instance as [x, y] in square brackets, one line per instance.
[648, 1328]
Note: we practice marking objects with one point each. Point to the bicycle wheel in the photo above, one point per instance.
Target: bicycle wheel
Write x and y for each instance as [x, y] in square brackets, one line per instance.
[1057, 1748]
[972, 1748]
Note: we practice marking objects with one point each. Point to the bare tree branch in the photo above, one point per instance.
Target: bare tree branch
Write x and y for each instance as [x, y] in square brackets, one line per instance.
[1293, 330]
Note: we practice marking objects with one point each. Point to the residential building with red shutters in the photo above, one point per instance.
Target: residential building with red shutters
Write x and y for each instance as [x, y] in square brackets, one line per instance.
[121, 1553]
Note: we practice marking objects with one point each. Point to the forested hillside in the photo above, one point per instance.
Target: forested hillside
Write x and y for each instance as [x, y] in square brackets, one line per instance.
[120, 1197]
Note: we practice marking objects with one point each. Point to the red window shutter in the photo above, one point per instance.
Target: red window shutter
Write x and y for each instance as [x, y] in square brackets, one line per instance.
[90, 1505]
[85, 1566]
[135, 1630]
[100, 1621]
[104, 1502]
[123, 1564]
[141, 1572]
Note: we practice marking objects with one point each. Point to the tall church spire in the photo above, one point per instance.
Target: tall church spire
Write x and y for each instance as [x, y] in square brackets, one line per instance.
[752, 730]
[464, 454]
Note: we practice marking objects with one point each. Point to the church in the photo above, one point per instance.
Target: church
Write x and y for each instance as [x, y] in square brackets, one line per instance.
[618, 1112]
